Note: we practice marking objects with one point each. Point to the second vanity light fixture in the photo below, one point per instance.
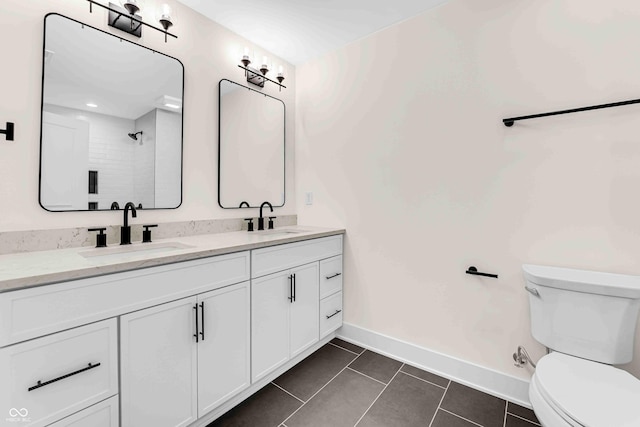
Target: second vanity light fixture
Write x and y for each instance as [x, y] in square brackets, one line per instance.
[256, 77]
[127, 19]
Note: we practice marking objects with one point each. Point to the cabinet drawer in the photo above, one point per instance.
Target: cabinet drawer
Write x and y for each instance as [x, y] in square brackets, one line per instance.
[330, 276]
[330, 314]
[52, 378]
[34, 312]
[282, 257]
[103, 414]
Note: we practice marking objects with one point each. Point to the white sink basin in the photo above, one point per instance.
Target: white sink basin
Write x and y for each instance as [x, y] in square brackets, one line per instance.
[129, 251]
[278, 232]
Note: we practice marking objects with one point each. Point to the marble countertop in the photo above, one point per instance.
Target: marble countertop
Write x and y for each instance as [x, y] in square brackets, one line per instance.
[24, 270]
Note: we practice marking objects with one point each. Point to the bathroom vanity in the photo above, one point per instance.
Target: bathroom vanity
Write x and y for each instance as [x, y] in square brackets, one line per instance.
[164, 334]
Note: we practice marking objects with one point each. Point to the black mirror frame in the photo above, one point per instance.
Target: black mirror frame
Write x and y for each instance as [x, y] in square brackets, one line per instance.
[284, 150]
[44, 43]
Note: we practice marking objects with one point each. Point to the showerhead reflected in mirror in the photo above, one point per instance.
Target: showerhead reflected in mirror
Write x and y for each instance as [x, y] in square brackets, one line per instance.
[251, 147]
[99, 93]
[134, 136]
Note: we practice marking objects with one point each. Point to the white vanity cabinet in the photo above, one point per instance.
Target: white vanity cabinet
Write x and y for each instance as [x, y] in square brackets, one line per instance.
[170, 345]
[181, 359]
[285, 300]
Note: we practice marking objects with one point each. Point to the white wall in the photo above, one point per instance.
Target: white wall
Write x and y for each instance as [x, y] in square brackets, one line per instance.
[144, 160]
[399, 136]
[209, 53]
[167, 174]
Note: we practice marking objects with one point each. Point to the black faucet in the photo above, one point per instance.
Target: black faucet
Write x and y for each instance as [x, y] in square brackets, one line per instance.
[242, 203]
[261, 219]
[125, 231]
[115, 206]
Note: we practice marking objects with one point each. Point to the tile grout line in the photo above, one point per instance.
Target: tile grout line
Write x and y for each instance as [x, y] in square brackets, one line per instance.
[314, 394]
[365, 375]
[524, 419]
[342, 348]
[421, 379]
[462, 418]
[289, 393]
[506, 405]
[378, 396]
[438, 408]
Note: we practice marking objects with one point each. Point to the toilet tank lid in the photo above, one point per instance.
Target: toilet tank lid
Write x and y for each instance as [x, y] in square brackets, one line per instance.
[594, 394]
[594, 282]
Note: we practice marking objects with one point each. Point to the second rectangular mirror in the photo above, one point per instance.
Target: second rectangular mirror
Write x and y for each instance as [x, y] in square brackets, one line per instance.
[251, 147]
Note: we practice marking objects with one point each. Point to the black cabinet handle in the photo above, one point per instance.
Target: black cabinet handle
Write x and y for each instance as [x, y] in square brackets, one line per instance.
[42, 384]
[290, 298]
[331, 277]
[294, 288]
[195, 307]
[337, 311]
[202, 314]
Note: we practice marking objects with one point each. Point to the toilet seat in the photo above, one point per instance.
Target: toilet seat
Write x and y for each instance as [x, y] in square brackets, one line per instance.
[584, 393]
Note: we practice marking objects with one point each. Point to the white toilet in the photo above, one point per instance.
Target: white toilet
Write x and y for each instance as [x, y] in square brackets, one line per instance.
[588, 321]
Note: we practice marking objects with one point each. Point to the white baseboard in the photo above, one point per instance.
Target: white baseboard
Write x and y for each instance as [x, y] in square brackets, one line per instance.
[496, 383]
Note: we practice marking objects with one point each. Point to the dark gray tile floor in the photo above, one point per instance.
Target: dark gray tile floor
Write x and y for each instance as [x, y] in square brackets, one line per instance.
[343, 385]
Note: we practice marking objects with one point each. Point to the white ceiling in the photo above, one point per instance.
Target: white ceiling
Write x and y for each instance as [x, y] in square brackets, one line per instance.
[299, 30]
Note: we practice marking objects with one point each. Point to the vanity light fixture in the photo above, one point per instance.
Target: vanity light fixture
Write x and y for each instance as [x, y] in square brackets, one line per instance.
[92, 105]
[259, 77]
[165, 19]
[127, 19]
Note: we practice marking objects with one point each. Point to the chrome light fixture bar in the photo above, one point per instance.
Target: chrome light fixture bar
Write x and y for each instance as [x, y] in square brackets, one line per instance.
[117, 15]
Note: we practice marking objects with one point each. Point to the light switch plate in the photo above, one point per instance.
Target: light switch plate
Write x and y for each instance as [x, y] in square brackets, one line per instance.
[308, 198]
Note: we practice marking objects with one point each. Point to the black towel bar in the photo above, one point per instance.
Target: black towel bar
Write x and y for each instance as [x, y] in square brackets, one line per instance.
[475, 272]
[509, 122]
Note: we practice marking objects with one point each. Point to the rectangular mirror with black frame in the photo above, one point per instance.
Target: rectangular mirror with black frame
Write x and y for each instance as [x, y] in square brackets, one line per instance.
[111, 114]
[251, 147]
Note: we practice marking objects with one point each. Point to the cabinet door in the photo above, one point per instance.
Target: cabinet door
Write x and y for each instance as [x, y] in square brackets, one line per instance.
[270, 300]
[304, 318]
[158, 356]
[223, 350]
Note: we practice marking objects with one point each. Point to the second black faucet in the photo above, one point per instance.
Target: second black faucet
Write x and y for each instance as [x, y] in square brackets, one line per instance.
[125, 231]
[261, 219]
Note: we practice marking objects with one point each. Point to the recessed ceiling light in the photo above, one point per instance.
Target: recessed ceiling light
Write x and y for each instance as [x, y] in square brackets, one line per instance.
[92, 105]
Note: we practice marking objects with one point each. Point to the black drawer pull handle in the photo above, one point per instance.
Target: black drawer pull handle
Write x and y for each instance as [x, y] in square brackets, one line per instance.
[337, 311]
[335, 275]
[42, 384]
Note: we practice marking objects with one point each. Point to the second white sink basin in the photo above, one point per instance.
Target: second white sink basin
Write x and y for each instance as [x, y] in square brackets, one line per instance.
[125, 251]
[278, 232]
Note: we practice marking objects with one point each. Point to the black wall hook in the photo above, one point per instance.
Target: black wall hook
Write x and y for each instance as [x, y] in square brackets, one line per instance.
[475, 272]
[8, 131]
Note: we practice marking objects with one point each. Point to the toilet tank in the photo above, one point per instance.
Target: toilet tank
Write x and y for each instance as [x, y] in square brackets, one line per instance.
[587, 314]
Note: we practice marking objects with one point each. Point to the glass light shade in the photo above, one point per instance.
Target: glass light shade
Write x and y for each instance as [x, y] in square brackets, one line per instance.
[132, 6]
